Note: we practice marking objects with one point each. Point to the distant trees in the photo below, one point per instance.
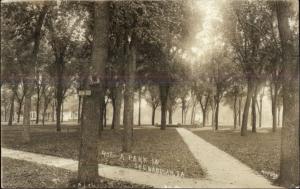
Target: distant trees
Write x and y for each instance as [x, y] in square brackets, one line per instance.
[152, 98]
[250, 32]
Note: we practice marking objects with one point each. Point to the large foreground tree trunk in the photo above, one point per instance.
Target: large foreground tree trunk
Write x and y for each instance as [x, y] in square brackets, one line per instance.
[289, 160]
[88, 151]
[250, 90]
[129, 98]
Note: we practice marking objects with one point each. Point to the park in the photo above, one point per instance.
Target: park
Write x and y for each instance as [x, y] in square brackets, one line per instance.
[150, 94]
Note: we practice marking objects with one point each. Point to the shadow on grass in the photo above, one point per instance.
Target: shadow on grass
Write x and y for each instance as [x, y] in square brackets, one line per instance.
[166, 146]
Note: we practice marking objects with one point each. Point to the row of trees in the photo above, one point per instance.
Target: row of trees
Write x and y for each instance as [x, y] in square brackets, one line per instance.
[112, 49]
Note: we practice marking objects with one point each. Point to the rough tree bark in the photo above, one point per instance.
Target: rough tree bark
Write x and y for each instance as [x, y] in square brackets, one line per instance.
[289, 160]
[129, 97]
[88, 151]
[250, 91]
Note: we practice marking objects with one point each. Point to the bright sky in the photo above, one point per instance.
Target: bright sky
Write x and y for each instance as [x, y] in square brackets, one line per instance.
[208, 38]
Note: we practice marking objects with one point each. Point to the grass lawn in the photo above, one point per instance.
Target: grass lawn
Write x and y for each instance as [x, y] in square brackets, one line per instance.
[22, 174]
[166, 146]
[260, 151]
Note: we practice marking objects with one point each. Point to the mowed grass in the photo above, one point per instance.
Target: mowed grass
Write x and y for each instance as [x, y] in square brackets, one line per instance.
[260, 151]
[22, 174]
[166, 146]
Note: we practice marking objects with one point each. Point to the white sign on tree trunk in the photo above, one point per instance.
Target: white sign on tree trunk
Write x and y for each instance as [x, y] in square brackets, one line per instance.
[84, 92]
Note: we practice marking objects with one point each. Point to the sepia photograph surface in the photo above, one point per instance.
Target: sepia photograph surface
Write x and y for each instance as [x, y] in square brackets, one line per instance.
[150, 94]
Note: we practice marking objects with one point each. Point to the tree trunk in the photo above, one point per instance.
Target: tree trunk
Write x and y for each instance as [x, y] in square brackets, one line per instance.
[260, 111]
[182, 112]
[164, 90]
[234, 112]
[246, 108]
[153, 115]
[204, 117]
[88, 151]
[79, 109]
[114, 112]
[44, 114]
[217, 114]
[289, 161]
[53, 112]
[140, 99]
[193, 113]
[240, 110]
[253, 109]
[20, 103]
[58, 113]
[213, 113]
[26, 119]
[278, 116]
[129, 98]
[117, 108]
[11, 110]
[104, 114]
[170, 116]
[274, 108]
[101, 115]
[37, 109]
[62, 111]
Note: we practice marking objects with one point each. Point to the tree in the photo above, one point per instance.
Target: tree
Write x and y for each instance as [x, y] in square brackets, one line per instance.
[289, 160]
[248, 32]
[88, 151]
[63, 37]
[152, 98]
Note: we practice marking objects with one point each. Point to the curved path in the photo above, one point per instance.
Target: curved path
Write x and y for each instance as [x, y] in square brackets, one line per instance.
[220, 166]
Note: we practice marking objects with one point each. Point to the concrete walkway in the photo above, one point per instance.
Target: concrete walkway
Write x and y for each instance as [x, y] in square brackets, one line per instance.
[117, 173]
[220, 166]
